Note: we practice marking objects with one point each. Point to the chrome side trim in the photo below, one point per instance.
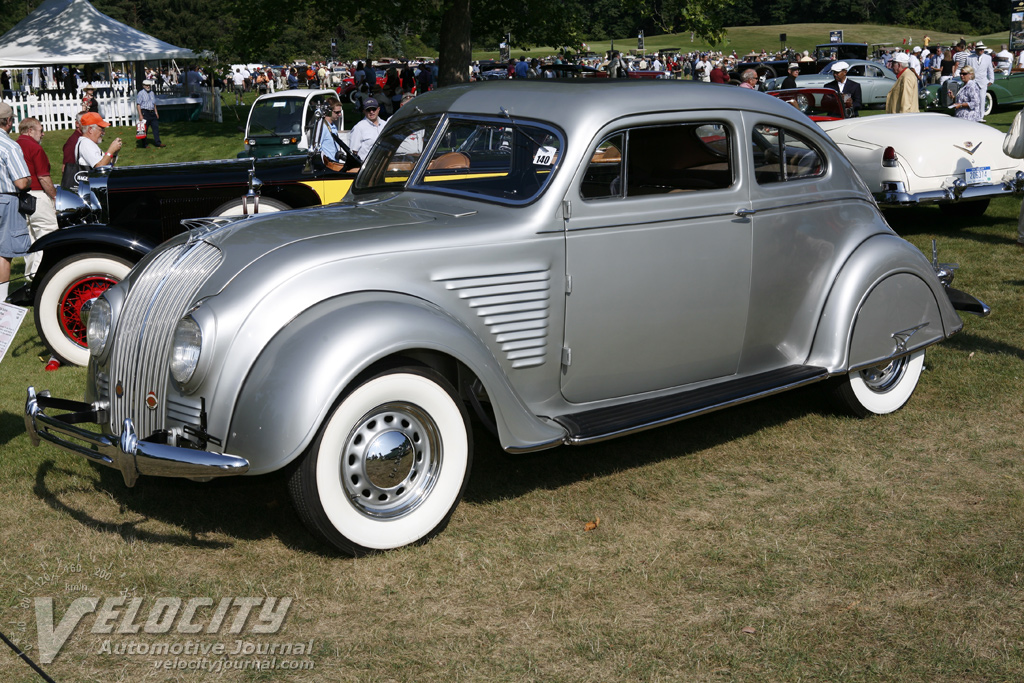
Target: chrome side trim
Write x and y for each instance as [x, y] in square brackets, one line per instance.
[577, 441]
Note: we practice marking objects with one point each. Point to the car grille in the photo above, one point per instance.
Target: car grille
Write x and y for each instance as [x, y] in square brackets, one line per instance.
[141, 347]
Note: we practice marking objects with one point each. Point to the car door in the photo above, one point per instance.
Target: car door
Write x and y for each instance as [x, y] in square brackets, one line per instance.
[658, 261]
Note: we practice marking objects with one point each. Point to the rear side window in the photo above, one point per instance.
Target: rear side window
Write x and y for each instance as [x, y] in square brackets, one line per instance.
[671, 159]
[781, 155]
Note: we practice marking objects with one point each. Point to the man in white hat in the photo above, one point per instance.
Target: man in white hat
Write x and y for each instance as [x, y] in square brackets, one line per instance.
[847, 88]
[984, 73]
[145, 101]
[915, 60]
[902, 99]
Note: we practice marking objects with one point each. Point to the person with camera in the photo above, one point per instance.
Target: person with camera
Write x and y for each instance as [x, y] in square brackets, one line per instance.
[87, 152]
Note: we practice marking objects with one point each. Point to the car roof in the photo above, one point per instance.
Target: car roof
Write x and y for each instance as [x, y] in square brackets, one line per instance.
[294, 95]
[590, 103]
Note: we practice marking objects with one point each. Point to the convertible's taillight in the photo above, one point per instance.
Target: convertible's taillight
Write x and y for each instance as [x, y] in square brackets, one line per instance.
[889, 157]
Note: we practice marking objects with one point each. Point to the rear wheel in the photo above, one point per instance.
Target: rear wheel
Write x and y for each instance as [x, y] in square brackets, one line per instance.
[389, 465]
[881, 389]
[990, 103]
[64, 297]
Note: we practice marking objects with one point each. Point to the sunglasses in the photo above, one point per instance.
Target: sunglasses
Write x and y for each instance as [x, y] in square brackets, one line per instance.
[371, 109]
[336, 111]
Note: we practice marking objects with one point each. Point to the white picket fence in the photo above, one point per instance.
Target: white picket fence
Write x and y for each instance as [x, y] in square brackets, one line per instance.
[57, 111]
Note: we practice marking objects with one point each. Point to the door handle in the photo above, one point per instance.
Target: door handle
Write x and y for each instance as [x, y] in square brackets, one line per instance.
[743, 212]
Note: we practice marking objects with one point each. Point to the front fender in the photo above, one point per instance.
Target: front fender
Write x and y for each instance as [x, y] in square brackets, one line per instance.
[886, 300]
[300, 374]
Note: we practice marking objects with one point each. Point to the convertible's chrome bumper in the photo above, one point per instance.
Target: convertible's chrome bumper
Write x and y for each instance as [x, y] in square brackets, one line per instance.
[129, 454]
[895, 193]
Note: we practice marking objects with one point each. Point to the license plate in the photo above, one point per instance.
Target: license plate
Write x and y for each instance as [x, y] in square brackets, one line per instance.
[978, 175]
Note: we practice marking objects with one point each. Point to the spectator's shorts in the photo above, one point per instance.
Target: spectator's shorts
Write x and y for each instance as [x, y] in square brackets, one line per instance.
[14, 237]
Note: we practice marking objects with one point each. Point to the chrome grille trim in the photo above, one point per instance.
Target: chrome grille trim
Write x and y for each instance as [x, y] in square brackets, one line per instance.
[141, 347]
[514, 307]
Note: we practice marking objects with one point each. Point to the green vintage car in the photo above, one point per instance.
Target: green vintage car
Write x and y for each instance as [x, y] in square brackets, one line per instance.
[1006, 89]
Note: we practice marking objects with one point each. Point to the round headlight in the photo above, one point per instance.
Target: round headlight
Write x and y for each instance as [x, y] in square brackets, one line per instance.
[98, 327]
[186, 346]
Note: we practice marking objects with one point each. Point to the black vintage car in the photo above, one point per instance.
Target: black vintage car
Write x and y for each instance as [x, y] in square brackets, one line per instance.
[120, 214]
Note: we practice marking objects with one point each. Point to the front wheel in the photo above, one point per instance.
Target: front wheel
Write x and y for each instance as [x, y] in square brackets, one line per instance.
[881, 389]
[64, 297]
[388, 466]
[234, 207]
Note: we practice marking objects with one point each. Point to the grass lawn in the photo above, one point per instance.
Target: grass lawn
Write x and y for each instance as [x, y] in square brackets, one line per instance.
[777, 541]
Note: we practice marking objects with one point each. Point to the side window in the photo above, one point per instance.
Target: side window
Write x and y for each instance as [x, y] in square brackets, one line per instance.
[857, 70]
[604, 174]
[781, 155]
[661, 160]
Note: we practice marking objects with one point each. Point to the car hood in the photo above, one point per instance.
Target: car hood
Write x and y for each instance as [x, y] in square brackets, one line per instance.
[306, 237]
[932, 145]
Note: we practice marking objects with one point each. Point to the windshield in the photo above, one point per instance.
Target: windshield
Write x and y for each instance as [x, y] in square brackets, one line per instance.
[498, 159]
[277, 117]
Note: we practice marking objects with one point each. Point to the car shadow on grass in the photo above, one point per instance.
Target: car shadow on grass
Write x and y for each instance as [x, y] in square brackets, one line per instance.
[256, 508]
[931, 221]
[509, 476]
[239, 508]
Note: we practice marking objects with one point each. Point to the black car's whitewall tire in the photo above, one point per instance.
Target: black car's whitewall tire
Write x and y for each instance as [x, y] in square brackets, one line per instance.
[64, 296]
[234, 207]
[884, 388]
[389, 465]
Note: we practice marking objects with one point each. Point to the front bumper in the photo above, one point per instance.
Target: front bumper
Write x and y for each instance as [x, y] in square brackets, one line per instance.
[895, 193]
[129, 454]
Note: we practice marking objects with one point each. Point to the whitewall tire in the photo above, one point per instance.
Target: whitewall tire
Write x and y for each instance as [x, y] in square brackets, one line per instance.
[64, 296]
[389, 465]
[884, 388]
[234, 207]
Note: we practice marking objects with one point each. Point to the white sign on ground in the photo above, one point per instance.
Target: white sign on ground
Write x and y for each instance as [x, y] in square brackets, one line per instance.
[10, 320]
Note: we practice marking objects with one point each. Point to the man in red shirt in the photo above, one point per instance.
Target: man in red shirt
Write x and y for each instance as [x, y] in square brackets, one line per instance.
[44, 220]
[69, 146]
[718, 74]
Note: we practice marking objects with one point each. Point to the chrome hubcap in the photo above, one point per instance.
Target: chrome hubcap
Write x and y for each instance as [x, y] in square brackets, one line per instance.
[882, 378]
[391, 461]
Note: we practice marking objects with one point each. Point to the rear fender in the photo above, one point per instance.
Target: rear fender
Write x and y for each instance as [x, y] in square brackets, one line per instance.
[299, 376]
[885, 302]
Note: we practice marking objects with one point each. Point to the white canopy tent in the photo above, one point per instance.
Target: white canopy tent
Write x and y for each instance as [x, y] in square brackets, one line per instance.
[75, 32]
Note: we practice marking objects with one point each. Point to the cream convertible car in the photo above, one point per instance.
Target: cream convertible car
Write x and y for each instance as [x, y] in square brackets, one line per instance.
[908, 159]
[571, 261]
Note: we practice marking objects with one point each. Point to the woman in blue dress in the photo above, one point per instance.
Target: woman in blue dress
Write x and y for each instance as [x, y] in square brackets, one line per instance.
[969, 99]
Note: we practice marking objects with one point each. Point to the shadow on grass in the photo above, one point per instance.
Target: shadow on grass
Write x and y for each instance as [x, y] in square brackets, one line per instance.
[11, 426]
[930, 220]
[496, 478]
[244, 508]
[254, 508]
[965, 341]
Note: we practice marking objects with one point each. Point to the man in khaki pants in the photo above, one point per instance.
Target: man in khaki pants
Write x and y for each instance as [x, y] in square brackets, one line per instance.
[44, 220]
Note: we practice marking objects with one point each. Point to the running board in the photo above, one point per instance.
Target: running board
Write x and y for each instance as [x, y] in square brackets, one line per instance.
[604, 423]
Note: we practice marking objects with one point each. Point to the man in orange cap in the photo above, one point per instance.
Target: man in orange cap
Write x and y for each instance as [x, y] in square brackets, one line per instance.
[87, 152]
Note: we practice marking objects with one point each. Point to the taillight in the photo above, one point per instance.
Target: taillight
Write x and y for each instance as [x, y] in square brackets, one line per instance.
[889, 157]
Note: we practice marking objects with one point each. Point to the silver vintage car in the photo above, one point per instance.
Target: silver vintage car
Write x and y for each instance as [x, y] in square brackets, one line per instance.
[571, 261]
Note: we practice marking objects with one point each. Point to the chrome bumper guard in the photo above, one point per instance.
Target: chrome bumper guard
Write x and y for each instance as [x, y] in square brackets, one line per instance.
[129, 454]
[895, 194]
